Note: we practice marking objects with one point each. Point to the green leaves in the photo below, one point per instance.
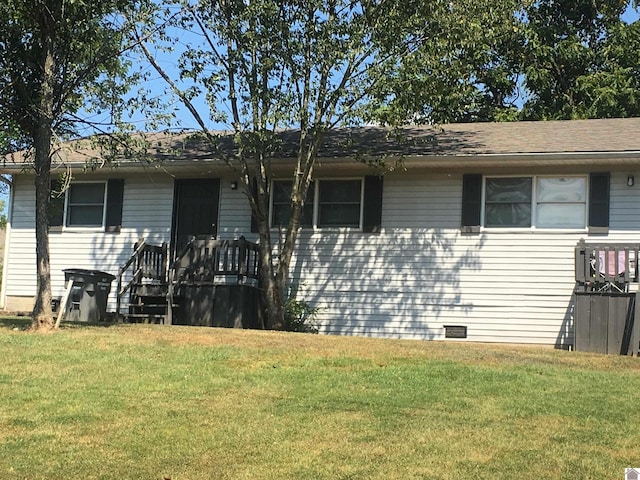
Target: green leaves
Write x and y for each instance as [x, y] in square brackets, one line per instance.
[86, 41]
[483, 60]
[580, 61]
[462, 64]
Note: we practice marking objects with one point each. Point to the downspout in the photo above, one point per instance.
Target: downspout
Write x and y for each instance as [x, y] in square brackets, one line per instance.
[7, 242]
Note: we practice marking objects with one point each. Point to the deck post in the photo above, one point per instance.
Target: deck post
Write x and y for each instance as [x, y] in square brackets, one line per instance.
[634, 348]
[168, 319]
[580, 254]
[118, 295]
[167, 281]
[242, 259]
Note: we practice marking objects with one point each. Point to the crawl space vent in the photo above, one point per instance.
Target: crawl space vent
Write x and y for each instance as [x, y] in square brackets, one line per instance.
[455, 331]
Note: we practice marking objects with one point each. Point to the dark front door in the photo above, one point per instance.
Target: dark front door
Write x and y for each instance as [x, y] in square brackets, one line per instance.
[195, 210]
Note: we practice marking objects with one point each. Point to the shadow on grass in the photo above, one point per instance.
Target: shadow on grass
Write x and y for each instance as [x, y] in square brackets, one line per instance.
[15, 323]
[24, 322]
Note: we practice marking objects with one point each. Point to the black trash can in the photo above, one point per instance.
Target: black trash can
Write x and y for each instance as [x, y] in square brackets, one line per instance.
[89, 293]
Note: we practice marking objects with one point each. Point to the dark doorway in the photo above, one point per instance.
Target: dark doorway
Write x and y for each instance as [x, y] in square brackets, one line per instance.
[195, 210]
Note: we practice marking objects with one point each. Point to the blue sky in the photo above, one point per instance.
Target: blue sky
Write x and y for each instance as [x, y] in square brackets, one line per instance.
[631, 15]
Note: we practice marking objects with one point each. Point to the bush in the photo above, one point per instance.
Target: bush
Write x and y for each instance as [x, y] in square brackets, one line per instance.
[299, 316]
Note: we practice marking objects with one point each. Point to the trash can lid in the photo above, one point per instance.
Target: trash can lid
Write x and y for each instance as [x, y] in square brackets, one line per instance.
[88, 273]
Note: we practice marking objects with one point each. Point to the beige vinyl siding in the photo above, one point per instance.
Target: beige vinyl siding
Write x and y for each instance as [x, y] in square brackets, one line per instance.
[404, 198]
[235, 216]
[146, 212]
[19, 274]
[411, 283]
[624, 210]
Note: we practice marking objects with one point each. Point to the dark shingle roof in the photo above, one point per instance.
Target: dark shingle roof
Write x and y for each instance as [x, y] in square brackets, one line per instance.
[426, 145]
[574, 136]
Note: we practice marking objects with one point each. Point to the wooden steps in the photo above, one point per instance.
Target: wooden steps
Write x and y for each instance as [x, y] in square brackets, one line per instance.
[148, 304]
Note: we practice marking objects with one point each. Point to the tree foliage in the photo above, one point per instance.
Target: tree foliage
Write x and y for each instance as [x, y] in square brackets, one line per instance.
[518, 60]
[581, 60]
[464, 68]
[84, 41]
[59, 60]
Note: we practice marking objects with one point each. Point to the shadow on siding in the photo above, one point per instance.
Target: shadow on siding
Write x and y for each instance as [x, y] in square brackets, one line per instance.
[391, 285]
[565, 336]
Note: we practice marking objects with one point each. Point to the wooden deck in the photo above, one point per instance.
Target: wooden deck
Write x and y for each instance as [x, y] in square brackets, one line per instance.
[200, 286]
[607, 317]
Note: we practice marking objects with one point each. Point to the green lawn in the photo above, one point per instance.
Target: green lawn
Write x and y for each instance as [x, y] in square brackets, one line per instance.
[152, 402]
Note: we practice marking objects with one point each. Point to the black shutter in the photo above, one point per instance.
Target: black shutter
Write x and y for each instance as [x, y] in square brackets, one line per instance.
[115, 191]
[56, 207]
[471, 202]
[372, 208]
[599, 202]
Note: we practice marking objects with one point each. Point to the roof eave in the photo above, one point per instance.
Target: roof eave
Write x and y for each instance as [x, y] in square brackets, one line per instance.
[436, 162]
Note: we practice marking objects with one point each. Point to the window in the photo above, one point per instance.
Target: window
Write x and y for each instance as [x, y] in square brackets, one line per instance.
[541, 202]
[281, 205]
[339, 203]
[85, 205]
[508, 202]
[330, 203]
[561, 202]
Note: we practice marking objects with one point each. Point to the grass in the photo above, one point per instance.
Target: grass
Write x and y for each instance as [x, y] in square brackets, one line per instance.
[147, 402]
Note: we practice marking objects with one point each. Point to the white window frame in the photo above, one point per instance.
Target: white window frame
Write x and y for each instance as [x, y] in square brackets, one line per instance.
[67, 206]
[316, 204]
[534, 204]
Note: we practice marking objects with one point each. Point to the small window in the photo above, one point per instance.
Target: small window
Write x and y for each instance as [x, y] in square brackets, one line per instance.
[85, 205]
[281, 206]
[339, 203]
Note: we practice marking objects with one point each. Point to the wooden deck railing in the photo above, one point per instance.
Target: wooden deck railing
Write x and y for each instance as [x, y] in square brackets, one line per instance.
[204, 259]
[603, 265]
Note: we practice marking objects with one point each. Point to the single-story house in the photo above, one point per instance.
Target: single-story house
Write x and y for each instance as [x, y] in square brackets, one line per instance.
[472, 233]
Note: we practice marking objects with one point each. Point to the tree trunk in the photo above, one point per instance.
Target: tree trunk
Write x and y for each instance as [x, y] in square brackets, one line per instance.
[272, 291]
[42, 316]
[274, 279]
